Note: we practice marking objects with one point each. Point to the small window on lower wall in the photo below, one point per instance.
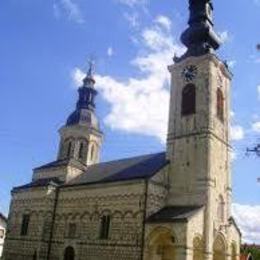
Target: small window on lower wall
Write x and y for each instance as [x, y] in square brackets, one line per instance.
[104, 227]
[72, 230]
[25, 224]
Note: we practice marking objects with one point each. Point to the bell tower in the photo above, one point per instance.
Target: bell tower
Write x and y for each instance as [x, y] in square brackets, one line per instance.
[198, 134]
[81, 138]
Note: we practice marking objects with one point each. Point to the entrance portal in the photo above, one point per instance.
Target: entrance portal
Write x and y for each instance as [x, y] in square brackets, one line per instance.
[161, 246]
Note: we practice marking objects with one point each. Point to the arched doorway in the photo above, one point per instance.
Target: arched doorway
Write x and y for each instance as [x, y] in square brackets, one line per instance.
[198, 249]
[219, 248]
[69, 253]
[161, 245]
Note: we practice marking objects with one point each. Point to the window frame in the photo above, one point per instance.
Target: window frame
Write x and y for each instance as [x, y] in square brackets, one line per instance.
[220, 104]
[105, 227]
[188, 100]
[25, 225]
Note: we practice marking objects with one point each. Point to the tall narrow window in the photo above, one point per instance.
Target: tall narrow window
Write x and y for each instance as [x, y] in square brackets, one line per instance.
[81, 147]
[220, 104]
[69, 150]
[25, 225]
[221, 208]
[188, 105]
[104, 228]
[72, 230]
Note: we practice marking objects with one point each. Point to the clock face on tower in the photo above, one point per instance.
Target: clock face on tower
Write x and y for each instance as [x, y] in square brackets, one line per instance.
[189, 73]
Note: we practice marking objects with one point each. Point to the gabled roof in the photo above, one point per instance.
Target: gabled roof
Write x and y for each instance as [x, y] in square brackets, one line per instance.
[174, 214]
[140, 167]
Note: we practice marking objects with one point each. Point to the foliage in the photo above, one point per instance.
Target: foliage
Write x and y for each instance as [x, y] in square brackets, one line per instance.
[253, 249]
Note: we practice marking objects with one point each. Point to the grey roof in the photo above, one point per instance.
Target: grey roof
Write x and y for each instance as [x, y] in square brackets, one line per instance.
[174, 214]
[64, 162]
[141, 167]
[40, 183]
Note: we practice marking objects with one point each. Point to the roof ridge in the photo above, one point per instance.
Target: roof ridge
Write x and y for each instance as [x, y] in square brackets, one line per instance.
[129, 158]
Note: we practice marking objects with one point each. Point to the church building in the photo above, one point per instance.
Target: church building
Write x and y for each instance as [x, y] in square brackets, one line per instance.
[173, 205]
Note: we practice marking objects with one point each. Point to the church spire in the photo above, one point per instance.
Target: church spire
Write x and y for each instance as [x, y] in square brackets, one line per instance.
[200, 37]
[86, 100]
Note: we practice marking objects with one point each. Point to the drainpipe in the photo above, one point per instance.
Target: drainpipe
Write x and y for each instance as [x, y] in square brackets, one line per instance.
[57, 190]
[144, 218]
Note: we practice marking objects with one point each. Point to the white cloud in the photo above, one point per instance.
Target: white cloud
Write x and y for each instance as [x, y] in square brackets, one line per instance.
[70, 9]
[258, 91]
[237, 133]
[256, 127]
[132, 3]
[164, 21]
[248, 220]
[77, 76]
[224, 36]
[110, 52]
[133, 19]
[140, 104]
[232, 63]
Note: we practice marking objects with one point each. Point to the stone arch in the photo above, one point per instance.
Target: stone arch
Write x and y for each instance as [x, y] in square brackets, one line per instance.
[198, 248]
[117, 214]
[161, 245]
[219, 248]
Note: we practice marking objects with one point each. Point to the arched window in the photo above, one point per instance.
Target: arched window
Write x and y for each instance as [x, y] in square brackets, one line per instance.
[221, 208]
[69, 149]
[188, 105]
[81, 147]
[69, 253]
[104, 228]
[220, 104]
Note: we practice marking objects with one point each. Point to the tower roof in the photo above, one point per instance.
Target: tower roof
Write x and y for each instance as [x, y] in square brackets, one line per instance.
[84, 112]
[200, 37]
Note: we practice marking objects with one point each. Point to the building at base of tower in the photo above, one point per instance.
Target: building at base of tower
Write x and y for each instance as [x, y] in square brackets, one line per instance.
[174, 205]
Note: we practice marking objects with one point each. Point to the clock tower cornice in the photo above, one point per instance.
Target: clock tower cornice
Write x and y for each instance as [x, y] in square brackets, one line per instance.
[210, 57]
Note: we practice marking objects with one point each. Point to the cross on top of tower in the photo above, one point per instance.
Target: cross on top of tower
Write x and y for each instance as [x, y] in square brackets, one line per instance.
[89, 79]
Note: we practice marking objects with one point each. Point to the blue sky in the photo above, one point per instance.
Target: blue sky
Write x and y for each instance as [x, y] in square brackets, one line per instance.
[44, 50]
